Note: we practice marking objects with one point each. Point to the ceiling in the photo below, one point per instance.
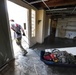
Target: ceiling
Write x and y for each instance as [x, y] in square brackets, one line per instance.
[55, 7]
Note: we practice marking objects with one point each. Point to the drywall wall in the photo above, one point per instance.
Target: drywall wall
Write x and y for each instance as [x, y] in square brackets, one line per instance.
[40, 26]
[66, 28]
[6, 50]
[46, 26]
[43, 27]
[49, 26]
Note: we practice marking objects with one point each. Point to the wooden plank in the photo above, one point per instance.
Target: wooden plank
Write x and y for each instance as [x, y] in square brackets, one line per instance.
[58, 3]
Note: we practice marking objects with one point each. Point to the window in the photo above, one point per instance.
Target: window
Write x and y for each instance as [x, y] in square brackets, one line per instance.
[33, 23]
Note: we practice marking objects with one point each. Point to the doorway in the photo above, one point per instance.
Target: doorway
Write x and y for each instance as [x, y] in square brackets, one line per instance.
[20, 15]
[54, 24]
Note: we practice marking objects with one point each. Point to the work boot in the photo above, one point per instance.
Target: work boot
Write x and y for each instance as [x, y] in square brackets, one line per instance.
[24, 53]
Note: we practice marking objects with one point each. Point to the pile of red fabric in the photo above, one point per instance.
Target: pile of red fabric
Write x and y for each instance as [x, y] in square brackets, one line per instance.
[49, 56]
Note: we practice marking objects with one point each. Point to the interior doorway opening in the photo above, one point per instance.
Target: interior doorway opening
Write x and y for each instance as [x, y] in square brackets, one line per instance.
[20, 15]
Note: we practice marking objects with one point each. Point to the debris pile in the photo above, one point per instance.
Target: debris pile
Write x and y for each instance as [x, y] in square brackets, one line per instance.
[58, 56]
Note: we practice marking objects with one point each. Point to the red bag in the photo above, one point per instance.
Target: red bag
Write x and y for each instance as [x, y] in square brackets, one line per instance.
[47, 57]
[52, 56]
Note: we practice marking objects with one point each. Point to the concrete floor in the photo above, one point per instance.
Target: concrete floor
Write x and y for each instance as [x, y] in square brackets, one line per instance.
[32, 65]
[55, 42]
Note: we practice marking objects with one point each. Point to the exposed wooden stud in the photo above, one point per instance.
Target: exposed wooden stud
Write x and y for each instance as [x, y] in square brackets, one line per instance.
[59, 3]
[36, 2]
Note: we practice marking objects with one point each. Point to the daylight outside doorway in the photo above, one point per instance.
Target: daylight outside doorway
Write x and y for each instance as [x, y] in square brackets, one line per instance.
[19, 15]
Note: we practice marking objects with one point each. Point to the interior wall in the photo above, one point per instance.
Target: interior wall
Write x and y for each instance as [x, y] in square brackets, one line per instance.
[43, 27]
[66, 27]
[46, 26]
[49, 27]
[40, 26]
[60, 32]
[6, 50]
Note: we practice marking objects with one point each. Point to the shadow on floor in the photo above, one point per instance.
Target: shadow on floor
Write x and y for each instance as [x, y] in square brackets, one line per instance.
[61, 70]
[32, 65]
[56, 42]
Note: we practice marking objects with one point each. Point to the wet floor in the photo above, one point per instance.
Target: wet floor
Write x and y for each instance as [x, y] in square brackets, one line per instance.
[55, 42]
[32, 65]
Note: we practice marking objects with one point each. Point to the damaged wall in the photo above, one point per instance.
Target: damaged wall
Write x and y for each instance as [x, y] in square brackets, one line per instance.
[66, 28]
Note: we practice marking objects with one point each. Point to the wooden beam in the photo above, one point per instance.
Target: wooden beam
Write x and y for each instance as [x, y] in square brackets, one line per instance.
[56, 3]
[33, 2]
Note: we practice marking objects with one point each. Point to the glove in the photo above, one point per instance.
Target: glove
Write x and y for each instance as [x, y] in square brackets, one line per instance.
[23, 34]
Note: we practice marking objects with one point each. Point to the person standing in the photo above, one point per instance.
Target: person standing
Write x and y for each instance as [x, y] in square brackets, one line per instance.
[17, 34]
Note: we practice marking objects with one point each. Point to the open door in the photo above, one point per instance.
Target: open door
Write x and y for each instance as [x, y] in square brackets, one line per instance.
[20, 16]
